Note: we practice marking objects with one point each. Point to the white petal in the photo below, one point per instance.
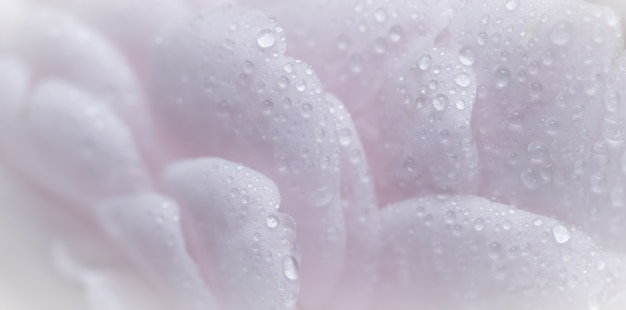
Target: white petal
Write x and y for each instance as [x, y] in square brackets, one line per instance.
[465, 252]
[549, 137]
[244, 245]
[70, 140]
[147, 226]
[223, 88]
[358, 276]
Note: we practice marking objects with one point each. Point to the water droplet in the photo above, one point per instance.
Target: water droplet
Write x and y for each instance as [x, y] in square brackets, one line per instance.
[529, 178]
[271, 221]
[380, 15]
[395, 34]
[612, 101]
[248, 67]
[345, 136]
[537, 151]
[613, 129]
[512, 5]
[306, 109]
[502, 77]
[380, 45]
[561, 234]
[479, 224]
[462, 79]
[288, 67]
[424, 62]
[466, 56]
[290, 268]
[440, 102]
[301, 85]
[266, 38]
[283, 82]
[481, 38]
[409, 164]
[561, 33]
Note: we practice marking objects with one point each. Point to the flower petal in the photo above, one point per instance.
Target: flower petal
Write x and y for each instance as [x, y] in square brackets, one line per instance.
[68, 139]
[358, 276]
[425, 142]
[467, 252]
[147, 226]
[548, 134]
[244, 245]
[222, 88]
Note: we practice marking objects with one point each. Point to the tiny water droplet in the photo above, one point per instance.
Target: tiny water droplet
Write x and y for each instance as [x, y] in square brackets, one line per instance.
[561, 234]
[424, 62]
[271, 221]
[301, 85]
[512, 5]
[266, 38]
[466, 56]
[462, 79]
[307, 110]
[380, 15]
[290, 268]
[440, 102]
[561, 33]
[345, 136]
[395, 34]
[502, 77]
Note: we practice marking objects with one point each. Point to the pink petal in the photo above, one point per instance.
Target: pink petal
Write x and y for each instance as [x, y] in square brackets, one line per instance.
[222, 88]
[244, 245]
[147, 227]
[549, 139]
[466, 252]
[358, 276]
[69, 140]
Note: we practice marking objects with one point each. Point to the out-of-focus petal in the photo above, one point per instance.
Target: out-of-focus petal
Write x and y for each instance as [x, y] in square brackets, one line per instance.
[69, 140]
[148, 227]
[222, 87]
[358, 276]
[245, 247]
[465, 252]
[54, 44]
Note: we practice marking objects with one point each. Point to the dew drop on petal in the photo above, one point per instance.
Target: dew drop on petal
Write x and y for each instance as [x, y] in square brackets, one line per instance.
[561, 33]
[271, 221]
[290, 268]
[512, 4]
[462, 79]
[502, 77]
[266, 38]
[440, 102]
[560, 233]
[466, 56]
[345, 136]
[424, 62]
[380, 15]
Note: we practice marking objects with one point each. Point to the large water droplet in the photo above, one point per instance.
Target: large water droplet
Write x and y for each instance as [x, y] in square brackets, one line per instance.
[512, 5]
[440, 102]
[561, 234]
[466, 56]
[290, 268]
[266, 38]
[380, 15]
[613, 129]
[462, 79]
[345, 136]
[561, 33]
[424, 62]
[502, 77]
[271, 221]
